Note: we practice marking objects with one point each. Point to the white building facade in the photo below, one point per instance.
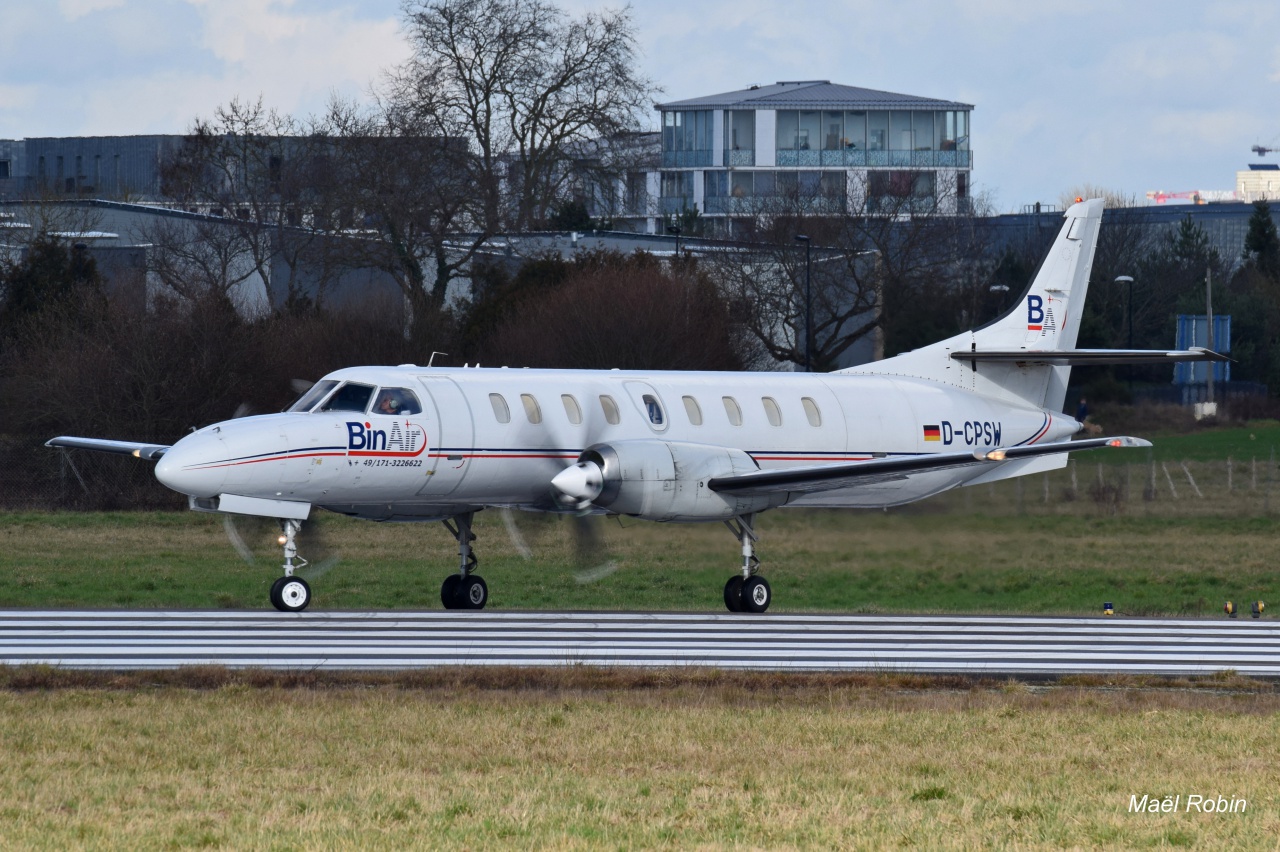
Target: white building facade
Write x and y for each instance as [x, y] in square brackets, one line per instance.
[838, 149]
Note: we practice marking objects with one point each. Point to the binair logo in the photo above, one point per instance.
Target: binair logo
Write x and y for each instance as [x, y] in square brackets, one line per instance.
[1040, 316]
[398, 441]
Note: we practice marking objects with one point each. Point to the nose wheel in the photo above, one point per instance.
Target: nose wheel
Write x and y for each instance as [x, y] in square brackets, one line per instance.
[290, 593]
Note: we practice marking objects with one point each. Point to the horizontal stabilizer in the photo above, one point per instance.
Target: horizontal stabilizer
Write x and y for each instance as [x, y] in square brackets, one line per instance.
[829, 477]
[1082, 357]
[150, 452]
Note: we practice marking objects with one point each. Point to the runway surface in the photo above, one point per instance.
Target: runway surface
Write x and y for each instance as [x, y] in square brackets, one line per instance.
[149, 639]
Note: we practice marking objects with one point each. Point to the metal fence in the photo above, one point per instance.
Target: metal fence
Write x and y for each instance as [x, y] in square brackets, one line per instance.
[34, 477]
[1236, 487]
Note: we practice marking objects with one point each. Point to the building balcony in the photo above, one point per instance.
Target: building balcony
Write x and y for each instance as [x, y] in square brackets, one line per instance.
[919, 205]
[855, 158]
[733, 205]
[674, 204]
[738, 157]
[686, 159]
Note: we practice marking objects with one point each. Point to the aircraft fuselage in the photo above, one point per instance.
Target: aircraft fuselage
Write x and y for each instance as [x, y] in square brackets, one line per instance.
[486, 437]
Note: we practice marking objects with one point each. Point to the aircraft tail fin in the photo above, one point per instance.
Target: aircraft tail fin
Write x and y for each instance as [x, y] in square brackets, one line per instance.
[1045, 319]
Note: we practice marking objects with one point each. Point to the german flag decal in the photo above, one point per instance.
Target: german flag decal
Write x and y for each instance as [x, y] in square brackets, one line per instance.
[932, 433]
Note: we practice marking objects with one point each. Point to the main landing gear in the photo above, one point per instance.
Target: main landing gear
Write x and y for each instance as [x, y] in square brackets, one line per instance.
[290, 593]
[749, 592]
[466, 589]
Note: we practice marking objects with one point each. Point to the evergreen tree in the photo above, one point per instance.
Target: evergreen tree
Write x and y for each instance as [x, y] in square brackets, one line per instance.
[50, 275]
[1261, 244]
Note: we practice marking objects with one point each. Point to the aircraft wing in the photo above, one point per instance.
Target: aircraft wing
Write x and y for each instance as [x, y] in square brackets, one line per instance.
[832, 476]
[1069, 357]
[150, 452]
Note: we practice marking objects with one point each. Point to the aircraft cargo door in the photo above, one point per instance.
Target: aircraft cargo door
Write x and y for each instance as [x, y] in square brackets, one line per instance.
[450, 434]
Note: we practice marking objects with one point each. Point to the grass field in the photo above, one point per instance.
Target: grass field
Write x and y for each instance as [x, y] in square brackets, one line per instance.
[694, 766]
[926, 561]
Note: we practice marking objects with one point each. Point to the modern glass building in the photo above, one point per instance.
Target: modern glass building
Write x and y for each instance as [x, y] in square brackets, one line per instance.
[837, 149]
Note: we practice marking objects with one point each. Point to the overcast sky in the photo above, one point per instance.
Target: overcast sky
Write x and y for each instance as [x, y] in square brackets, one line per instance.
[1129, 95]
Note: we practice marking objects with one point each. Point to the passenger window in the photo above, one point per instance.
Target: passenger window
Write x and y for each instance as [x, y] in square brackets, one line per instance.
[500, 409]
[610, 410]
[396, 401]
[313, 395]
[350, 397]
[691, 408]
[811, 411]
[531, 409]
[731, 408]
[772, 411]
[571, 409]
[654, 409]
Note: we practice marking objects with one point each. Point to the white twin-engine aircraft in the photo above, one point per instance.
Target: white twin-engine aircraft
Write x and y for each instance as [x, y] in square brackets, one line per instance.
[414, 443]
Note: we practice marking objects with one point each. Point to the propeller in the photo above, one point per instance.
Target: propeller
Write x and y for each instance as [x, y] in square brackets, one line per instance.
[576, 487]
[253, 536]
[513, 532]
[298, 386]
[570, 493]
[590, 550]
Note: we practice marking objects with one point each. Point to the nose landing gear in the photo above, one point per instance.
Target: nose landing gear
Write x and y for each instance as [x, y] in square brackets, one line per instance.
[290, 593]
[749, 592]
[466, 589]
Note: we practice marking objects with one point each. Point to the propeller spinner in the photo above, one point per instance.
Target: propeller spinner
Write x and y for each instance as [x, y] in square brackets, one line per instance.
[580, 483]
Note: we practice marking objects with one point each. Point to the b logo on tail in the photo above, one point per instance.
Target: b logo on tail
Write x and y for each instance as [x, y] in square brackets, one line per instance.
[1035, 313]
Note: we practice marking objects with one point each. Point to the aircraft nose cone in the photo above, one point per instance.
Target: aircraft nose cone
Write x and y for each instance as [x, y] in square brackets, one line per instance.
[193, 466]
[582, 482]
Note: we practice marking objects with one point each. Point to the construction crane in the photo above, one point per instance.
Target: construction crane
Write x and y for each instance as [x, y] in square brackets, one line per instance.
[1160, 197]
[1262, 152]
[1196, 196]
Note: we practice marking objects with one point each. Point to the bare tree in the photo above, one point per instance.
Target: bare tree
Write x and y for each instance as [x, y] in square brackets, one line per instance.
[256, 169]
[524, 86]
[870, 253]
[197, 256]
[397, 198]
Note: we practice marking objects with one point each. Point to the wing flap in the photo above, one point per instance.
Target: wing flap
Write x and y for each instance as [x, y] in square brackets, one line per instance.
[150, 452]
[832, 476]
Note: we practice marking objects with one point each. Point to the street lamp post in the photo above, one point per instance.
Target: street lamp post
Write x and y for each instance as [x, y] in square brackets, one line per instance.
[675, 229]
[808, 302]
[1128, 279]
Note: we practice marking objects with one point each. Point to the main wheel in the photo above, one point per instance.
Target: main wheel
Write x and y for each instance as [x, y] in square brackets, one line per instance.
[449, 592]
[733, 593]
[474, 592]
[756, 594]
[294, 594]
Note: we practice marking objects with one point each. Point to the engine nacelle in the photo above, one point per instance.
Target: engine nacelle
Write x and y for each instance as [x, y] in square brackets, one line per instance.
[667, 481]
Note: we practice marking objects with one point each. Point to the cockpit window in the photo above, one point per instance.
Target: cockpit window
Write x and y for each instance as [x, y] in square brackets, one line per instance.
[314, 394]
[396, 401]
[349, 397]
